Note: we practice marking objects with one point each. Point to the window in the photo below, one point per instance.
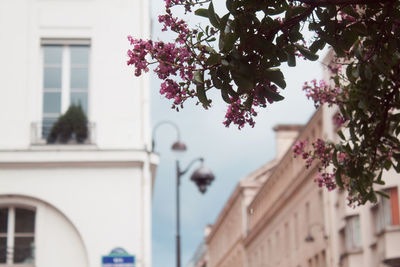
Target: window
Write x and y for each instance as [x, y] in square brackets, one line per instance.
[296, 231]
[388, 210]
[287, 247]
[65, 79]
[17, 233]
[352, 233]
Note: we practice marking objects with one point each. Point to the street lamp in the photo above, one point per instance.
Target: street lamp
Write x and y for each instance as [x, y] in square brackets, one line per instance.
[178, 145]
[202, 177]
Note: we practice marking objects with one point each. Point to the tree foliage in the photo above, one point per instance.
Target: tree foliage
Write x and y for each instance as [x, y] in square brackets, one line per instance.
[240, 53]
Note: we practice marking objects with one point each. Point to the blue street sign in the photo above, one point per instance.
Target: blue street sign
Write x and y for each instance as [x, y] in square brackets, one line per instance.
[118, 258]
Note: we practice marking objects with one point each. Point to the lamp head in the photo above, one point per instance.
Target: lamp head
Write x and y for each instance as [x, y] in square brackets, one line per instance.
[202, 177]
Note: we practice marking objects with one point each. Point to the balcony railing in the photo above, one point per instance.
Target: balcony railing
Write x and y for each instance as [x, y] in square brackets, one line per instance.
[40, 131]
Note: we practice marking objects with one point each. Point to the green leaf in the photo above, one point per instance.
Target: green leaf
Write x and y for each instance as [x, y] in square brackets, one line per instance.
[213, 59]
[199, 36]
[338, 178]
[341, 135]
[387, 164]
[317, 45]
[275, 76]
[214, 19]
[291, 59]
[307, 53]
[198, 77]
[202, 12]
[368, 72]
[201, 95]
[273, 95]
[229, 41]
[200, 89]
[383, 194]
[229, 5]
[224, 21]
[244, 83]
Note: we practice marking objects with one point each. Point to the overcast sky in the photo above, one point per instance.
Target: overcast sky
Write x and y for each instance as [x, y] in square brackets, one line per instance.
[230, 153]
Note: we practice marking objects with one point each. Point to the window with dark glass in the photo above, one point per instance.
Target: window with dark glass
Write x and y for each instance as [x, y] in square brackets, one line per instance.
[17, 236]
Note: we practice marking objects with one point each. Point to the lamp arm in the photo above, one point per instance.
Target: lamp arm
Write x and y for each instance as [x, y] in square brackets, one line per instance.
[190, 165]
[153, 144]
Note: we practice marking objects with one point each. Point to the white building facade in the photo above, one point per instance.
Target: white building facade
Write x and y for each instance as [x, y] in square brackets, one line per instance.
[70, 204]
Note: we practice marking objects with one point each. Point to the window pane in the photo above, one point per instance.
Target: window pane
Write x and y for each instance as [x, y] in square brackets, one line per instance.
[79, 55]
[357, 230]
[3, 220]
[52, 54]
[387, 212]
[52, 77]
[3, 249]
[52, 102]
[23, 249]
[47, 124]
[80, 98]
[24, 221]
[79, 78]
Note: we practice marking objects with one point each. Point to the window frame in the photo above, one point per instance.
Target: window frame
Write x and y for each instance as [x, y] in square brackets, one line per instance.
[11, 234]
[386, 211]
[66, 69]
[352, 233]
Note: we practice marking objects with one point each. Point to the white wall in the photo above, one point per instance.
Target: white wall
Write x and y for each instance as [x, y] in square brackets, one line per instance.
[58, 243]
[118, 101]
[104, 204]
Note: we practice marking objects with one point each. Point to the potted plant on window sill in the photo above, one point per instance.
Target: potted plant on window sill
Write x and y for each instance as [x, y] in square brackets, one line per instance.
[70, 128]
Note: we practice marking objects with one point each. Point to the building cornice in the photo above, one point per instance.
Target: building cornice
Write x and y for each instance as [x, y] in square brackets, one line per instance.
[75, 157]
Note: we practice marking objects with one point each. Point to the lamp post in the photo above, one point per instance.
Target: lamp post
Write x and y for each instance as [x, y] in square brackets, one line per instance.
[202, 177]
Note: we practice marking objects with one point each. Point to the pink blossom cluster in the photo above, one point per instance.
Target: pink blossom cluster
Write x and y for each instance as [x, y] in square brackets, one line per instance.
[238, 115]
[335, 68]
[323, 153]
[321, 92]
[338, 120]
[327, 180]
[177, 25]
[299, 149]
[171, 59]
[171, 3]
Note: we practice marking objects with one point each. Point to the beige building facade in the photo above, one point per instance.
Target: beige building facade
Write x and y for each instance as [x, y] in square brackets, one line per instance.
[278, 216]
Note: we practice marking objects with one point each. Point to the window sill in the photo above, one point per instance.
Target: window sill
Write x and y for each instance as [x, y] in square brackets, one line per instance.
[388, 229]
[43, 147]
[350, 252]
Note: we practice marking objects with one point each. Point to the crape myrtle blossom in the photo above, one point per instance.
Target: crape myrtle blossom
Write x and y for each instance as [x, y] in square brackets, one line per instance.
[176, 64]
[322, 153]
[321, 93]
[221, 54]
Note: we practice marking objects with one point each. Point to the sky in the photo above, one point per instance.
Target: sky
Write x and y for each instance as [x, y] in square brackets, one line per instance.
[230, 153]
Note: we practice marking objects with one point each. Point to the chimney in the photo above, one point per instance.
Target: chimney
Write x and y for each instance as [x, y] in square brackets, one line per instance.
[285, 134]
[207, 230]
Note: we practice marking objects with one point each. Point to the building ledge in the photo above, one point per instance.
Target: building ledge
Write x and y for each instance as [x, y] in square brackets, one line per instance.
[388, 229]
[79, 155]
[351, 252]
